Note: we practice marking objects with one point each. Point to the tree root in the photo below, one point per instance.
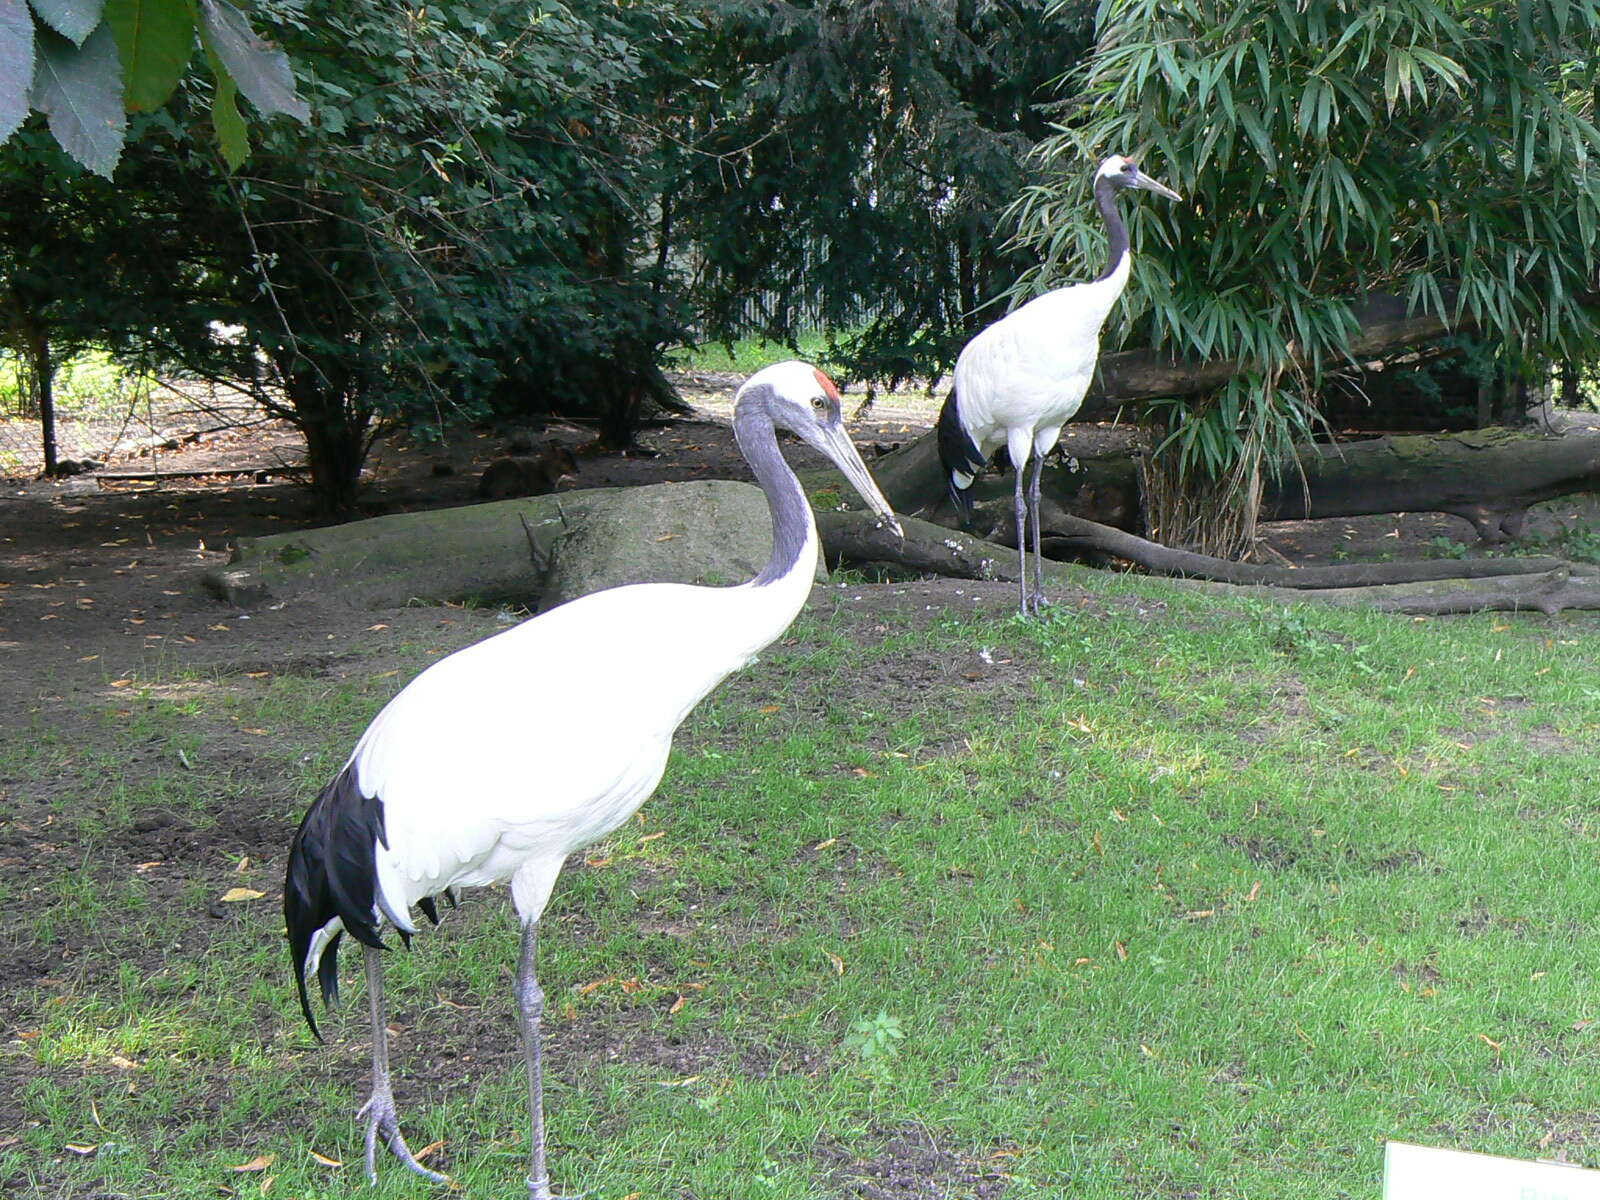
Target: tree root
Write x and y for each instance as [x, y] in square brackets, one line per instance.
[1548, 585]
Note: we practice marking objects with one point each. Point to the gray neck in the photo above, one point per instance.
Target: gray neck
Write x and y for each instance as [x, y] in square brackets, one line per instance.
[1105, 198]
[793, 529]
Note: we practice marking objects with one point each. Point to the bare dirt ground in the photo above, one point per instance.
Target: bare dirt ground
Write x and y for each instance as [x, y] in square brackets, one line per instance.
[98, 573]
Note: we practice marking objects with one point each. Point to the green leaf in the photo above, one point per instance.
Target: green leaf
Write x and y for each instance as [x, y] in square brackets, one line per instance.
[16, 64]
[79, 88]
[155, 38]
[72, 19]
[225, 119]
[1447, 69]
[259, 68]
[1258, 137]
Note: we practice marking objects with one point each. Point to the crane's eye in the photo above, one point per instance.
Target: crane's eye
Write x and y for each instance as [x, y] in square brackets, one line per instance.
[1130, 169]
[820, 404]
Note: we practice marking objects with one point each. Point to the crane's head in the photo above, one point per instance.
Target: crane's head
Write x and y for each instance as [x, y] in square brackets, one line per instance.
[1120, 172]
[800, 398]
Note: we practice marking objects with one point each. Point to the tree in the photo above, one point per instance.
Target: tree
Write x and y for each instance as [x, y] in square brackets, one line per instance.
[83, 62]
[851, 163]
[1442, 152]
[444, 234]
[461, 228]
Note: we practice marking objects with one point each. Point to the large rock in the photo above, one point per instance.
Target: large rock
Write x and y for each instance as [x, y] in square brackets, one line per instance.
[714, 532]
[539, 551]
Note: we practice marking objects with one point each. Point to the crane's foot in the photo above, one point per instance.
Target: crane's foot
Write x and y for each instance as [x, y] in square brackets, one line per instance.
[539, 1189]
[379, 1113]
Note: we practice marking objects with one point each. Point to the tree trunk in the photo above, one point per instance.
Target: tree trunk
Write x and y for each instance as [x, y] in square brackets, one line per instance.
[42, 366]
[338, 433]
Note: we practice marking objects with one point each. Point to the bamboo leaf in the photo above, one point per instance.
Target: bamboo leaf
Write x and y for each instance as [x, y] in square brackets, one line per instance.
[1258, 137]
[1391, 77]
[1450, 72]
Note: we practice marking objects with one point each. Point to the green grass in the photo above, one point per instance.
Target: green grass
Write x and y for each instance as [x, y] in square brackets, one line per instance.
[1187, 899]
[89, 384]
[751, 354]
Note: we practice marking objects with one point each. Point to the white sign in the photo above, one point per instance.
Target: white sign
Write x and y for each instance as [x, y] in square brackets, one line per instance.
[1424, 1173]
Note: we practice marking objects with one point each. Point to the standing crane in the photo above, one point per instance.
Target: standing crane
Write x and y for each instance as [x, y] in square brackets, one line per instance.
[1018, 381]
[480, 772]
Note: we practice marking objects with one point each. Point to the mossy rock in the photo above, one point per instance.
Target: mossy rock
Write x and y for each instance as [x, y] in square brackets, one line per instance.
[537, 551]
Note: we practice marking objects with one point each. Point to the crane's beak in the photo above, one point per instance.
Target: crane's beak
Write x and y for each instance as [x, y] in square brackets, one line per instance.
[836, 444]
[1156, 186]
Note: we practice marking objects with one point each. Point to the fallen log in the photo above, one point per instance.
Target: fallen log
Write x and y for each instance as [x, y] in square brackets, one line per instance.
[1383, 328]
[1077, 533]
[1550, 593]
[546, 549]
[1490, 477]
[854, 538]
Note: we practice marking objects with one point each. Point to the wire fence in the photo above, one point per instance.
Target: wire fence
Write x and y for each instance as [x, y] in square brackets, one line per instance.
[124, 418]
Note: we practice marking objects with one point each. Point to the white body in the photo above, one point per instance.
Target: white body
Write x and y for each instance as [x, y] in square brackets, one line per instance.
[499, 761]
[547, 737]
[1021, 379]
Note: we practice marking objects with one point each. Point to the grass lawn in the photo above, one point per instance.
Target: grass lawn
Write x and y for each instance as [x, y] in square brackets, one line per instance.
[751, 354]
[1162, 896]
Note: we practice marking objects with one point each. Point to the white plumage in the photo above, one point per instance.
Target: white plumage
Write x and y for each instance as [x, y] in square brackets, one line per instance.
[499, 761]
[1019, 380]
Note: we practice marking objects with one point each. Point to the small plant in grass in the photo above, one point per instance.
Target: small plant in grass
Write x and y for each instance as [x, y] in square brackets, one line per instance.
[1287, 632]
[1580, 543]
[876, 1041]
[1447, 547]
[1290, 633]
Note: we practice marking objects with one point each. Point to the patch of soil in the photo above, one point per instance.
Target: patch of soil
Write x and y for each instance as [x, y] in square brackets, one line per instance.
[911, 1162]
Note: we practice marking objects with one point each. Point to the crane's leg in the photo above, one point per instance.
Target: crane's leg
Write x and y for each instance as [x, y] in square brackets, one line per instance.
[379, 1110]
[1022, 540]
[1038, 599]
[530, 1003]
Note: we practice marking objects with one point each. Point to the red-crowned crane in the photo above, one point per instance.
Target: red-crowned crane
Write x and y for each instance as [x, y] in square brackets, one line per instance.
[1018, 381]
[480, 772]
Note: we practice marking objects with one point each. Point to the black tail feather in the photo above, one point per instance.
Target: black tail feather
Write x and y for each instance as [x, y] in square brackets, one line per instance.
[333, 873]
[961, 499]
[327, 979]
[958, 453]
